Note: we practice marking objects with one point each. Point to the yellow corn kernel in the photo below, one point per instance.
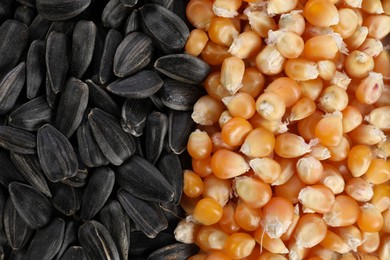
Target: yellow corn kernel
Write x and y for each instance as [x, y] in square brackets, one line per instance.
[326, 69]
[370, 88]
[293, 22]
[246, 45]
[232, 72]
[321, 13]
[280, 6]
[372, 6]
[301, 69]
[289, 44]
[378, 25]
[333, 99]
[196, 42]
[226, 8]
[348, 22]
[270, 61]
[372, 47]
[357, 38]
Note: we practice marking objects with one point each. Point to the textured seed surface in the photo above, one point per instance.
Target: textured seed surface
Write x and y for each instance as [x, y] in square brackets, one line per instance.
[179, 122]
[35, 68]
[70, 237]
[17, 140]
[156, 129]
[74, 253]
[9, 173]
[65, 199]
[174, 251]
[61, 10]
[111, 43]
[114, 14]
[134, 113]
[11, 86]
[170, 167]
[179, 96]
[101, 99]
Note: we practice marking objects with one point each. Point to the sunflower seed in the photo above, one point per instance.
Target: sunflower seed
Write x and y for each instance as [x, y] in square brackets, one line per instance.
[5, 9]
[28, 165]
[173, 213]
[65, 27]
[71, 107]
[155, 131]
[132, 22]
[133, 54]
[79, 180]
[30, 3]
[32, 115]
[129, 3]
[138, 146]
[38, 28]
[165, 3]
[61, 10]
[13, 41]
[8, 171]
[140, 178]
[66, 199]
[157, 101]
[177, 251]
[140, 85]
[11, 86]
[97, 191]
[169, 166]
[17, 140]
[74, 253]
[24, 14]
[111, 43]
[3, 236]
[33, 207]
[51, 97]
[47, 241]
[117, 222]
[179, 96]
[83, 44]
[134, 113]
[116, 144]
[17, 231]
[183, 67]
[114, 14]
[70, 237]
[17, 255]
[35, 68]
[142, 245]
[97, 241]
[56, 155]
[99, 98]
[179, 121]
[146, 214]
[57, 60]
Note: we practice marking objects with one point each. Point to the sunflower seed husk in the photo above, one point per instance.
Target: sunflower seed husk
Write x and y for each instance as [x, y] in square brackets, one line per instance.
[155, 131]
[133, 54]
[134, 113]
[97, 241]
[51, 97]
[173, 213]
[114, 14]
[83, 45]
[65, 199]
[56, 155]
[3, 236]
[157, 101]
[97, 191]
[33, 207]
[99, 98]
[8, 171]
[3, 119]
[111, 43]
[24, 14]
[17, 140]
[70, 237]
[139, 177]
[38, 28]
[13, 41]
[71, 107]
[47, 241]
[5, 9]
[28, 165]
[140, 85]
[74, 253]
[117, 222]
[170, 168]
[11, 86]
[56, 58]
[179, 121]
[35, 68]
[179, 96]
[147, 215]
[168, 31]
[65, 27]
[17, 255]
[30, 3]
[183, 67]
[165, 3]
[79, 180]
[132, 22]
[129, 3]
[116, 144]
[139, 146]
[61, 10]
[32, 115]
[177, 251]
[142, 245]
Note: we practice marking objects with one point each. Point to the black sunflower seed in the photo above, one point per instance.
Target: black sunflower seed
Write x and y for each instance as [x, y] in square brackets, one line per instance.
[51, 97]
[133, 54]
[35, 68]
[61, 10]
[111, 43]
[3, 236]
[179, 121]
[155, 131]
[134, 113]
[71, 107]
[79, 180]
[65, 199]
[64, 27]
[74, 253]
[30, 3]
[38, 28]
[132, 22]
[179, 96]
[17, 231]
[114, 14]
[183, 67]
[139, 177]
[5, 9]
[56, 155]
[97, 241]
[70, 237]
[33, 207]
[97, 191]
[11, 86]
[168, 4]
[17, 140]
[141, 245]
[47, 241]
[24, 14]
[140, 85]
[8, 171]
[99, 98]
[28, 165]
[169, 166]
[17, 255]
[32, 115]
[116, 144]
[129, 3]
[177, 251]
[83, 45]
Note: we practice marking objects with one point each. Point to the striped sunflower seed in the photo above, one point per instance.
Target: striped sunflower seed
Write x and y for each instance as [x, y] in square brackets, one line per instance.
[133, 54]
[129, 3]
[97, 241]
[11, 86]
[147, 215]
[32, 115]
[169, 166]
[71, 107]
[74, 253]
[3, 236]
[38, 28]
[155, 131]
[70, 237]
[8, 171]
[56, 10]
[47, 241]
[116, 144]
[33, 207]
[35, 68]
[17, 140]
[177, 251]
[168, 31]
[132, 22]
[24, 14]
[134, 113]
[17, 255]
[56, 155]
[139, 177]
[99, 98]
[64, 27]
[79, 180]
[17, 231]
[65, 199]
[141, 245]
[168, 4]
[111, 43]
[5, 9]
[30, 3]
[51, 97]
[83, 45]
[114, 14]
[97, 191]
[179, 121]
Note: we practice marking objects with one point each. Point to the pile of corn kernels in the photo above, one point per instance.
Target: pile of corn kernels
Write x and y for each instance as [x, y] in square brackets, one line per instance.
[290, 154]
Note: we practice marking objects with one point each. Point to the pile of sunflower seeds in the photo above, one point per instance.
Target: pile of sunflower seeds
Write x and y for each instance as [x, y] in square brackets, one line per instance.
[95, 112]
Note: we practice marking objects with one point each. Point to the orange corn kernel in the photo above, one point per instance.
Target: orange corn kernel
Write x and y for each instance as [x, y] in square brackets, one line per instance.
[339, 152]
[335, 243]
[310, 231]
[309, 169]
[333, 99]
[352, 118]
[359, 189]
[321, 13]
[289, 44]
[214, 87]
[224, 118]
[287, 89]
[246, 45]
[227, 164]
[200, 13]
[306, 126]
[384, 249]
[320, 152]
[199, 145]
[222, 30]
[218, 255]
[319, 253]
[270, 61]
[382, 64]
[378, 172]
[345, 212]
[207, 211]
[341, 80]
[378, 25]
[370, 219]
[235, 131]
[214, 54]
[279, 6]
[301, 69]
[287, 166]
[290, 190]
[270, 106]
[326, 69]
[332, 179]
[207, 110]
[293, 22]
[317, 198]
[329, 130]
[228, 223]
[258, 143]
[358, 64]
[210, 238]
[383, 149]
[359, 160]
[303, 108]
[219, 144]
[381, 197]
[202, 167]
[367, 134]
[217, 189]
[252, 191]
[199, 256]
[193, 184]
[232, 73]
[311, 88]
[370, 89]
[321, 47]
[371, 242]
[271, 256]
[240, 105]
[260, 22]
[239, 245]
[252, 82]
[372, 7]
[379, 117]
[273, 245]
[386, 221]
[226, 8]
[348, 22]
[247, 217]
[290, 145]
[372, 47]
[351, 235]
[196, 42]
[296, 251]
[357, 38]
[266, 169]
